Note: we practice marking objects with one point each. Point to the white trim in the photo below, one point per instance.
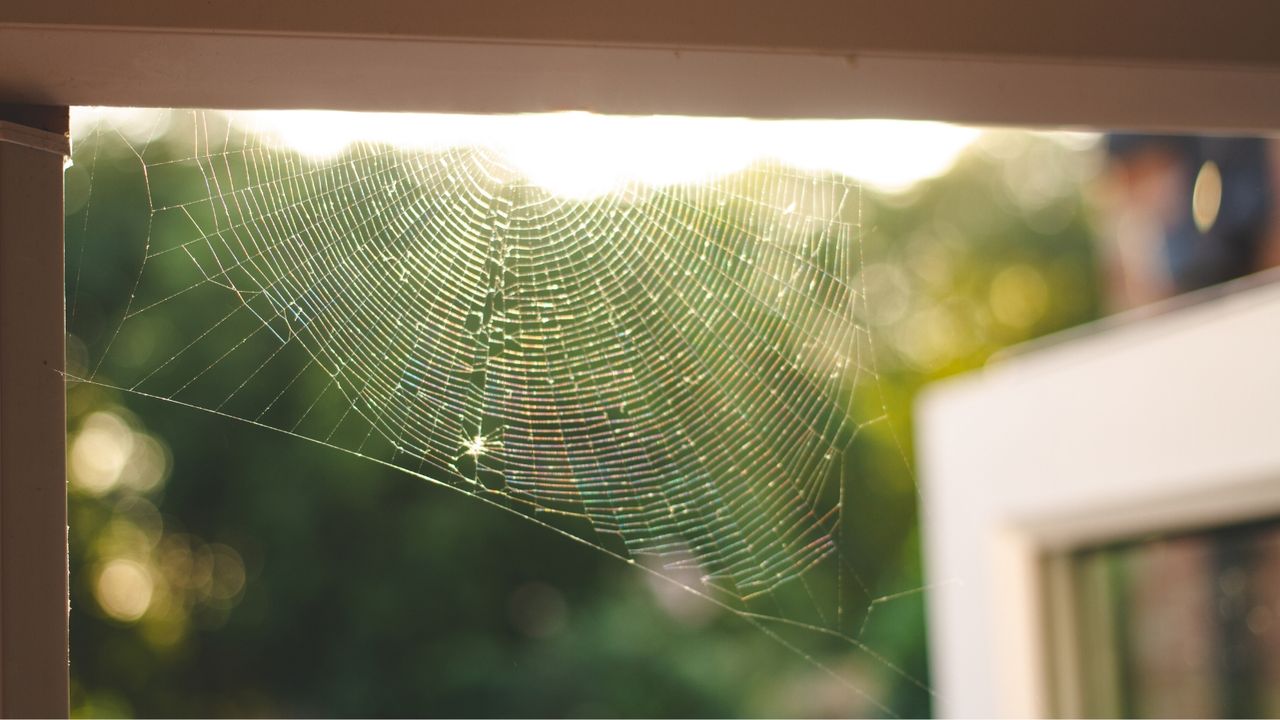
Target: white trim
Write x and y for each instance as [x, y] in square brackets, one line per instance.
[1169, 423]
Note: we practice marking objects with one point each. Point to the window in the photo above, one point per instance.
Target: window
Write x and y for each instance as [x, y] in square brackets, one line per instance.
[1152, 427]
[76, 54]
[1178, 625]
[666, 370]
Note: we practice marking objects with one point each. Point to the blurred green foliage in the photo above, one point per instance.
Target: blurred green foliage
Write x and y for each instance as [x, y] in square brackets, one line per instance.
[220, 568]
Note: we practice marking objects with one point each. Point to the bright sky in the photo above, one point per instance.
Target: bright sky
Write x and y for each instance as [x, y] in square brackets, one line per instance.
[577, 154]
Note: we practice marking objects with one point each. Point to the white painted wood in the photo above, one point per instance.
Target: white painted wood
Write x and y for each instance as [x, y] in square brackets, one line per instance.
[1171, 422]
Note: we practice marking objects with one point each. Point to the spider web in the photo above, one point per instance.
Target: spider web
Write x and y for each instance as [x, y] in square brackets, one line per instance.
[664, 373]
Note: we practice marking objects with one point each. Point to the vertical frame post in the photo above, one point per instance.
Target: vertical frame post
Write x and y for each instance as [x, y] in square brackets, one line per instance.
[33, 490]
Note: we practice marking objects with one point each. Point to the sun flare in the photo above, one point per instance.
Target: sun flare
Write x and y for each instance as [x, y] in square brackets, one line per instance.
[583, 155]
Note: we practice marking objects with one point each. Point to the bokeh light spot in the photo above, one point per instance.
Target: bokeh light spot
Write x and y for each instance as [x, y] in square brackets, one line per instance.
[1206, 196]
[124, 589]
[1019, 296]
[100, 452]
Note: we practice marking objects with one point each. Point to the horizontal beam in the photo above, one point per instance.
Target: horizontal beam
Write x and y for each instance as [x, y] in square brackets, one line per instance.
[169, 68]
[1224, 32]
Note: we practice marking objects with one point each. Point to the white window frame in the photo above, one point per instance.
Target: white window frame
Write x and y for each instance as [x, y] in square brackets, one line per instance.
[1092, 63]
[1154, 424]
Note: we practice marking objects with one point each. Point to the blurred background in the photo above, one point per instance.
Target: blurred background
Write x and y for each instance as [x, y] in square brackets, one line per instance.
[220, 568]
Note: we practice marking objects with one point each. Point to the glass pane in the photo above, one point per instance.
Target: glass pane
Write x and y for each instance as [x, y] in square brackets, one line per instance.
[1182, 626]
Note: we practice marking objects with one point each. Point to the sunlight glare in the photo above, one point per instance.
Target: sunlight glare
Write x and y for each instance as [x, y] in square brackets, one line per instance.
[582, 155]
